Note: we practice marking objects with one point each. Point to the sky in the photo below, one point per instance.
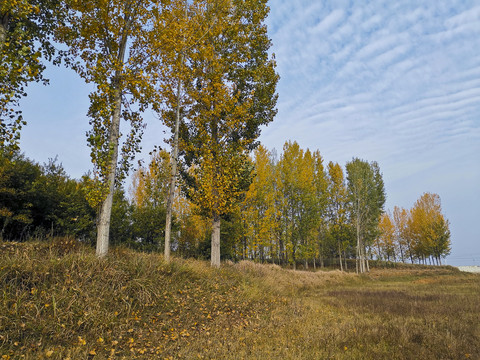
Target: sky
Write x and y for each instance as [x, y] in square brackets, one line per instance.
[397, 82]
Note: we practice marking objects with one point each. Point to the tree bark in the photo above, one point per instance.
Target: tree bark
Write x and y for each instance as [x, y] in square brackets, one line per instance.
[103, 228]
[340, 255]
[173, 178]
[215, 255]
[358, 252]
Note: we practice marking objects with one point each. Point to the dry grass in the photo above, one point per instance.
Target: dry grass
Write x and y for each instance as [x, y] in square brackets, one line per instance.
[59, 302]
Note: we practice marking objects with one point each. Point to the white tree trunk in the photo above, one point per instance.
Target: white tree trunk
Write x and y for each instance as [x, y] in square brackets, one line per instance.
[215, 255]
[103, 228]
[340, 255]
[173, 178]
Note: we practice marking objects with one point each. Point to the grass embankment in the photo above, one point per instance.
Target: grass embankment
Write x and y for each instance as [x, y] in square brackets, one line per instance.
[59, 302]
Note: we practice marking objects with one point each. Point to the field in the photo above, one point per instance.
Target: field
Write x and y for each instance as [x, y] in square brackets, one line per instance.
[60, 302]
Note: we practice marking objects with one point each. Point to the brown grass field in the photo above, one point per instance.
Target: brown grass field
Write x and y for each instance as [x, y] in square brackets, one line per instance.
[59, 302]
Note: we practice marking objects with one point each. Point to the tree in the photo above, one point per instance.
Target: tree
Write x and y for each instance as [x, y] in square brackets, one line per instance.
[232, 92]
[337, 209]
[121, 226]
[429, 229]
[385, 241]
[17, 179]
[41, 200]
[299, 206]
[402, 235]
[110, 38]
[25, 31]
[149, 197]
[366, 195]
[258, 210]
[318, 216]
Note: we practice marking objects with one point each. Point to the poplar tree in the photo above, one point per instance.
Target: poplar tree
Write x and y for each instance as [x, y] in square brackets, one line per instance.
[337, 216]
[232, 93]
[429, 228]
[385, 241]
[296, 183]
[402, 234]
[107, 42]
[366, 195]
[258, 209]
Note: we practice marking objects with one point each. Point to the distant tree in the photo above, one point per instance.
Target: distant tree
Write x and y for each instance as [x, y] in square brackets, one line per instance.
[149, 196]
[385, 241]
[402, 234]
[298, 200]
[337, 216]
[429, 228]
[41, 200]
[366, 195]
[258, 211]
[62, 203]
[320, 183]
[121, 226]
[17, 179]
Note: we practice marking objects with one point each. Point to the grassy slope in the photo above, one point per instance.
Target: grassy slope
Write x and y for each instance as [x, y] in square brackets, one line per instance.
[59, 301]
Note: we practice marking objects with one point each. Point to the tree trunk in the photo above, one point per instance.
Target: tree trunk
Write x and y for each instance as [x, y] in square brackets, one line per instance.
[173, 173]
[173, 177]
[358, 254]
[103, 228]
[215, 255]
[366, 261]
[340, 256]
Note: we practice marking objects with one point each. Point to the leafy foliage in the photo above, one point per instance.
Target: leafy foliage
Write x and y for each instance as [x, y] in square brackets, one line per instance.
[25, 39]
[41, 200]
[366, 195]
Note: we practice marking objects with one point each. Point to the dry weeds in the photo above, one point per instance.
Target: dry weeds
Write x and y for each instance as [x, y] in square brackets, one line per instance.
[59, 302]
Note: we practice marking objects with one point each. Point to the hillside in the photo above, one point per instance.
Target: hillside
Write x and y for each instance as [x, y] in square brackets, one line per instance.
[60, 302]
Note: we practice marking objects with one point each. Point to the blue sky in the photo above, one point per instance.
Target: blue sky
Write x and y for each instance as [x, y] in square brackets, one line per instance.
[397, 82]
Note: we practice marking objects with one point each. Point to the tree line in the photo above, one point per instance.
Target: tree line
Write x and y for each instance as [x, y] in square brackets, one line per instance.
[418, 234]
[294, 211]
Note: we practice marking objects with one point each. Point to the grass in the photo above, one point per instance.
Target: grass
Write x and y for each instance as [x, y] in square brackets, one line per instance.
[58, 301]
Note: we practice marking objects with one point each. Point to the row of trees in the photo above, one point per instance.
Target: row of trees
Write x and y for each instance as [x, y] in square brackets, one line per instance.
[202, 65]
[295, 211]
[419, 234]
[299, 210]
